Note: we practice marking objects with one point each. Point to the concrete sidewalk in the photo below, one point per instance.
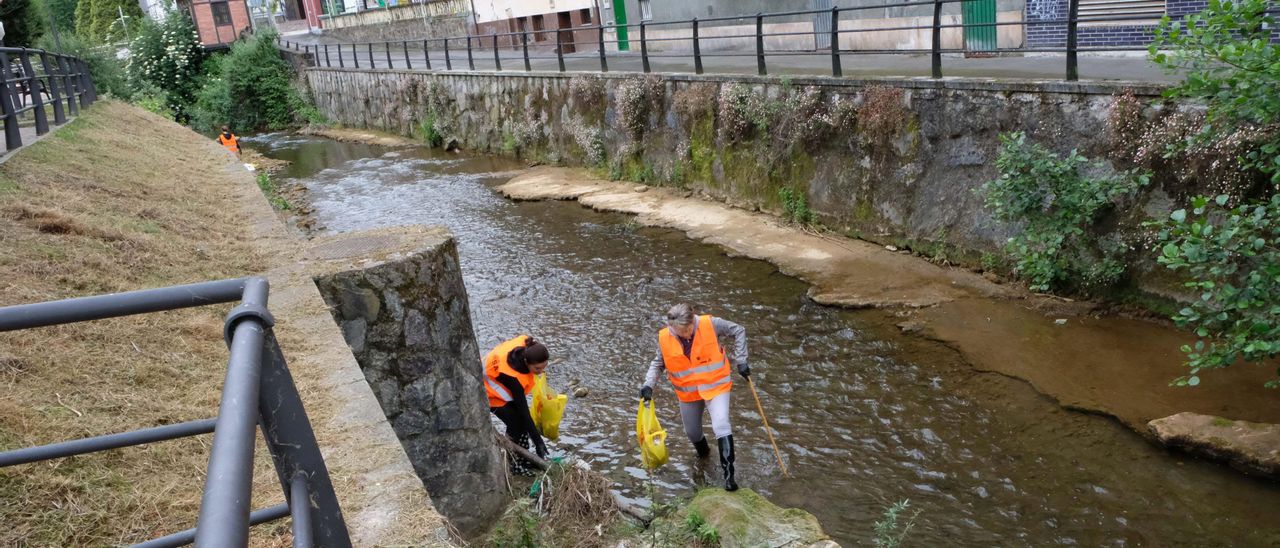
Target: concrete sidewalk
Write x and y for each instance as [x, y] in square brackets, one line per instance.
[1135, 67]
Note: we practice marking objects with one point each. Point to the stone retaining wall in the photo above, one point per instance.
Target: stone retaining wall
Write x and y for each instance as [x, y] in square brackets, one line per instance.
[904, 175]
[407, 321]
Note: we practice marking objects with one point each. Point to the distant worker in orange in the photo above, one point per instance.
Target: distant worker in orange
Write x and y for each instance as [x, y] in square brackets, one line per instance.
[509, 371]
[229, 140]
[689, 350]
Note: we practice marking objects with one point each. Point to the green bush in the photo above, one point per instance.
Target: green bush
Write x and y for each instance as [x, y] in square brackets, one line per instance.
[1232, 257]
[99, 20]
[249, 89]
[1056, 203]
[795, 205]
[1232, 66]
[888, 531]
[167, 55]
[107, 71]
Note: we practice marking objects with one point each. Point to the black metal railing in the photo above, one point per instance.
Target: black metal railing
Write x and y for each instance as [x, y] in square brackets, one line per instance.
[750, 36]
[31, 80]
[258, 391]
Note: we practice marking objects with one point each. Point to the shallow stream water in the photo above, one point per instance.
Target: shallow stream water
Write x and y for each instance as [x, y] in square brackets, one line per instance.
[864, 415]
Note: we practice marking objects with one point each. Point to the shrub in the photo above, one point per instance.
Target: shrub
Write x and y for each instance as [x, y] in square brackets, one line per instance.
[744, 113]
[888, 531]
[1056, 204]
[588, 139]
[883, 114]
[795, 206]
[693, 101]
[249, 89]
[1232, 257]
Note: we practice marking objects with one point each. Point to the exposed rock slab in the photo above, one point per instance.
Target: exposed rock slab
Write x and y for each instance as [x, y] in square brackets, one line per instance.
[842, 272]
[744, 518]
[1250, 447]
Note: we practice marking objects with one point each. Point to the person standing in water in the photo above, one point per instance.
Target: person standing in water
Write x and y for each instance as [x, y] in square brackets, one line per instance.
[689, 350]
[509, 371]
[229, 140]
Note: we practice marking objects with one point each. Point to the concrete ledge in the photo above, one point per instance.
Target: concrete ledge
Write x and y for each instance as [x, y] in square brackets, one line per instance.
[1251, 447]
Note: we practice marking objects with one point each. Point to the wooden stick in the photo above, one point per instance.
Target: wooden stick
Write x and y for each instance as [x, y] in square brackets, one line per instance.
[776, 453]
[541, 464]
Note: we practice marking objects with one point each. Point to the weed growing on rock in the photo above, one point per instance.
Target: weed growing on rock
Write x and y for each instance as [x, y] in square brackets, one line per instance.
[1056, 204]
[272, 192]
[694, 101]
[588, 139]
[795, 206]
[637, 98]
[734, 106]
[806, 120]
[587, 91]
[703, 533]
[883, 115]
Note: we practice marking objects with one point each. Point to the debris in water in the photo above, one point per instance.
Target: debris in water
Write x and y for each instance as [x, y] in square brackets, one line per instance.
[1060, 321]
[580, 392]
[891, 247]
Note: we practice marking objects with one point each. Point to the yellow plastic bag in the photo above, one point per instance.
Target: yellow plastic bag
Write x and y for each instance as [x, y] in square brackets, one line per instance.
[652, 438]
[547, 408]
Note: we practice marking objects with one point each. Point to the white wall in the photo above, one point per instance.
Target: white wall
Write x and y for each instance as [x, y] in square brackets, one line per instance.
[497, 10]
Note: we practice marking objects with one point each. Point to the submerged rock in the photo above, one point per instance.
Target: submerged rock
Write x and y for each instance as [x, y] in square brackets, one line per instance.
[744, 518]
[1250, 447]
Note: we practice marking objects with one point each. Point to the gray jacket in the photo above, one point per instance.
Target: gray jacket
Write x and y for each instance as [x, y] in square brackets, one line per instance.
[724, 328]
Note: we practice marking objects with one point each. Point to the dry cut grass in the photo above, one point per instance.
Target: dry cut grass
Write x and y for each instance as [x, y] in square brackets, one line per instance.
[117, 200]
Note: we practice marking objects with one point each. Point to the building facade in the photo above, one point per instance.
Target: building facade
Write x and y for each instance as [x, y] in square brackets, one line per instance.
[542, 21]
[218, 22]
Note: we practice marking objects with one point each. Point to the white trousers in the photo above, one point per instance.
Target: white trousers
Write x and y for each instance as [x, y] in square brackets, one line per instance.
[691, 416]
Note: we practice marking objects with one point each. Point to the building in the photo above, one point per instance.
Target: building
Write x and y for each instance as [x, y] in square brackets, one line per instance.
[541, 20]
[218, 22]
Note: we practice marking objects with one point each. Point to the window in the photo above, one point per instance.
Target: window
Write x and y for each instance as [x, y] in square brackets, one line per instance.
[585, 14]
[1120, 12]
[221, 13]
[646, 10]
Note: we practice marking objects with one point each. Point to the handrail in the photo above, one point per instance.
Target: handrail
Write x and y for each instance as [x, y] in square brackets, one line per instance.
[826, 42]
[31, 79]
[258, 391]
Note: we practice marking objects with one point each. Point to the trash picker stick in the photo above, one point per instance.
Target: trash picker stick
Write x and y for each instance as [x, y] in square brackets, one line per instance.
[767, 430]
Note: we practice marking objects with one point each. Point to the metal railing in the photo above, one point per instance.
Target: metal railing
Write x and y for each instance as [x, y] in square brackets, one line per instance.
[30, 79]
[686, 40]
[257, 391]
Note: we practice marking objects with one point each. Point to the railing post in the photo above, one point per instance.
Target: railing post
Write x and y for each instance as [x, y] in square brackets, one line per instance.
[426, 52]
[224, 508]
[497, 58]
[936, 59]
[89, 86]
[760, 68]
[471, 61]
[559, 50]
[524, 45]
[407, 63]
[59, 115]
[697, 49]
[448, 63]
[12, 135]
[604, 63]
[387, 45]
[82, 82]
[836, 69]
[1073, 63]
[355, 56]
[372, 64]
[36, 88]
[327, 62]
[69, 85]
[644, 49]
[341, 63]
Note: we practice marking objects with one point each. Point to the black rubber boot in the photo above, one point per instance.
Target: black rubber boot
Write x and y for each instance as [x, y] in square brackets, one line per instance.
[726, 462]
[703, 447]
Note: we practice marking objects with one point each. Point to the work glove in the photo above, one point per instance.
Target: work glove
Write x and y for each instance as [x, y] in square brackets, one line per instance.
[744, 370]
[646, 393]
[541, 450]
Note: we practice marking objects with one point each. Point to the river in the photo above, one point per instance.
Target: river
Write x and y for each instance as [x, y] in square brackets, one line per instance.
[864, 415]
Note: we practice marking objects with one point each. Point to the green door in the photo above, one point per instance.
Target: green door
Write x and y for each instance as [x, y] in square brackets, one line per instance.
[620, 19]
[982, 37]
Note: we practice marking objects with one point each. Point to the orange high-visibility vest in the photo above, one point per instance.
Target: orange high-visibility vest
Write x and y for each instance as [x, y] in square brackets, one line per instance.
[705, 373]
[232, 144]
[495, 363]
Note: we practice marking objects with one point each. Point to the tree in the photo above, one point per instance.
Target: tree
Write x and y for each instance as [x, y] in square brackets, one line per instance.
[167, 56]
[100, 20]
[24, 22]
[63, 13]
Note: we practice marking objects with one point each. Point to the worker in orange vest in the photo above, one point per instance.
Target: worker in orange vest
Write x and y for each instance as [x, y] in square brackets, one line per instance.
[690, 352]
[509, 371]
[229, 140]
